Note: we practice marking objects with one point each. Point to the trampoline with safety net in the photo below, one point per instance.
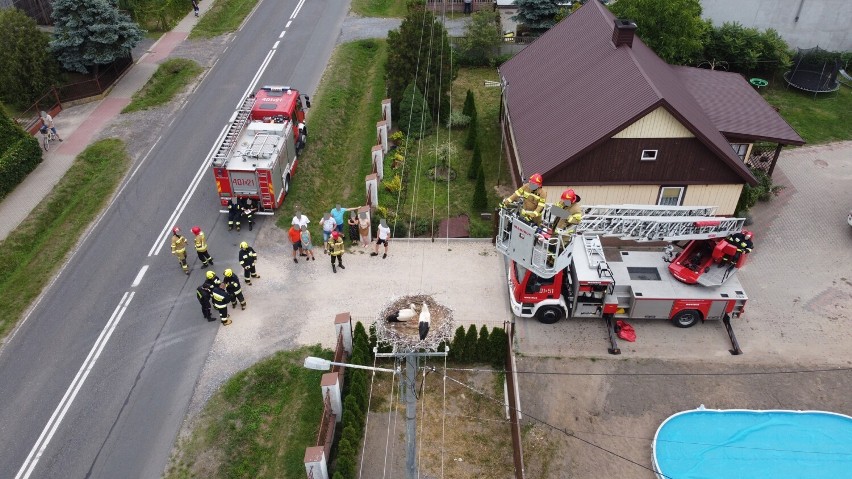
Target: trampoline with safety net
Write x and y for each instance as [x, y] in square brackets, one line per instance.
[813, 71]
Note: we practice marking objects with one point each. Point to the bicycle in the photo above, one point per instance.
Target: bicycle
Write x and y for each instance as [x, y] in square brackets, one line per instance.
[47, 135]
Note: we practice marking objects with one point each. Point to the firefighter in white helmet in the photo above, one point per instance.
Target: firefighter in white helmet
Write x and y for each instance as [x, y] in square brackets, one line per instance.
[179, 248]
[533, 196]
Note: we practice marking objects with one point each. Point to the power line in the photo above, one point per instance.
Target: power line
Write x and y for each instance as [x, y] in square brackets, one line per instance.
[367, 419]
[702, 374]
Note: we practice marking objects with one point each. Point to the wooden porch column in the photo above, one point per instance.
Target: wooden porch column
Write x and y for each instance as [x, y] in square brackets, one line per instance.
[775, 159]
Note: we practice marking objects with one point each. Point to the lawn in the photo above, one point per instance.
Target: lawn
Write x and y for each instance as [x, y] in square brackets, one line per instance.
[171, 77]
[379, 8]
[29, 256]
[224, 16]
[819, 120]
[258, 424]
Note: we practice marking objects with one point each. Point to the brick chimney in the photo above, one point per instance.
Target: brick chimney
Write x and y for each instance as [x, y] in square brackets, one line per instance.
[623, 32]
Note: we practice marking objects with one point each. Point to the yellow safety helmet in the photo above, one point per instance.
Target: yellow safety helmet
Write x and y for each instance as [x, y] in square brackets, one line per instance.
[211, 275]
[243, 245]
[228, 272]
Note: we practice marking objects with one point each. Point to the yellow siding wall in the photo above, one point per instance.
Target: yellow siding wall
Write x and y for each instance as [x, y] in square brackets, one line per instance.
[724, 197]
[657, 124]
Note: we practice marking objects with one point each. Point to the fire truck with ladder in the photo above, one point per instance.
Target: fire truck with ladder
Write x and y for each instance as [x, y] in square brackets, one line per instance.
[258, 154]
[553, 276]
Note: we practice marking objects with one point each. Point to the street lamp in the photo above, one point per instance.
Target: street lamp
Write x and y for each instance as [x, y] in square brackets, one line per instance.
[321, 364]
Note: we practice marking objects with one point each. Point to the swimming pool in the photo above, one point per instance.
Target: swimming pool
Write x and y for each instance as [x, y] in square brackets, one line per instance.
[745, 443]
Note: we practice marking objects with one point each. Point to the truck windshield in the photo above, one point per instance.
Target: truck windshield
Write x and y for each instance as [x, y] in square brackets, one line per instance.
[520, 272]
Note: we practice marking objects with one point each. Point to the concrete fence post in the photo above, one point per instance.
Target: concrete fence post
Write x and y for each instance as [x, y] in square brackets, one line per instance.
[331, 389]
[382, 135]
[343, 325]
[378, 160]
[315, 463]
[372, 185]
[386, 112]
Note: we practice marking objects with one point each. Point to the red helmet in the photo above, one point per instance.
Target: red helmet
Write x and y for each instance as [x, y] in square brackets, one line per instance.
[569, 195]
[747, 234]
[196, 230]
[176, 230]
[537, 179]
[335, 234]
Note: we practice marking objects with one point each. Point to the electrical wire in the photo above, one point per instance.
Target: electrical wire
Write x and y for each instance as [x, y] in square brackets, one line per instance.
[367, 417]
[555, 428]
[391, 409]
[702, 374]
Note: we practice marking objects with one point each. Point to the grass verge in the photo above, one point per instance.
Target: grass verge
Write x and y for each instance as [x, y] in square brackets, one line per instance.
[30, 256]
[224, 16]
[380, 8]
[342, 128]
[171, 77]
[819, 120]
[258, 424]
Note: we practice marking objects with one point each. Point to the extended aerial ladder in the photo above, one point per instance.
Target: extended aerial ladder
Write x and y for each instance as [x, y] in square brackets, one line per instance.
[544, 251]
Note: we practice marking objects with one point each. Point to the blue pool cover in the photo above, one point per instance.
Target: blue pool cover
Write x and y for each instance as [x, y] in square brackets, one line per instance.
[743, 443]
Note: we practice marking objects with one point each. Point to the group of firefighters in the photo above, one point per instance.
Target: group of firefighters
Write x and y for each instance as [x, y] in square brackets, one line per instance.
[218, 291]
[534, 200]
[239, 209]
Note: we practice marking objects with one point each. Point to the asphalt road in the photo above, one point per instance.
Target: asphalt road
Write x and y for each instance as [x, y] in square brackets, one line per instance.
[97, 380]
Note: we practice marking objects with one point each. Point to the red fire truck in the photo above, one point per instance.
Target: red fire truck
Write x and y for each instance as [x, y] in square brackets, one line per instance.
[554, 276]
[257, 156]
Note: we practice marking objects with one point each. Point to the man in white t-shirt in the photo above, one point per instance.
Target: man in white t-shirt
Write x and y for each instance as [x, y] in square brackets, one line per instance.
[383, 234]
[329, 224]
[299, 219]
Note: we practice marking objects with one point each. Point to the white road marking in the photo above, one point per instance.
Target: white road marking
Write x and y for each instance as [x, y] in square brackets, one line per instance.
[298, 7]
[282, 33]
[276, 44]
[139, 276]
[288, 25]
[71, 393]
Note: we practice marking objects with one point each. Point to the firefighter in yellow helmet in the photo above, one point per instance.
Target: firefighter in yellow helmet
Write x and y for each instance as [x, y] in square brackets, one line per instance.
[234, 288]
[247, 257]
[220, 301]
[201, 247]
[179, 248]
[533, 196]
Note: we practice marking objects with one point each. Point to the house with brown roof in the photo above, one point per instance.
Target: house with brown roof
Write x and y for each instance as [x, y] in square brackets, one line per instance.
[591, 107]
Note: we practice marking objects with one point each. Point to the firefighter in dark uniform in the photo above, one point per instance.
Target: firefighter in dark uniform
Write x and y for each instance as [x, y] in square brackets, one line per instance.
[235, 212]
[743, 243]
[235, 289]
[335, 247]
[247, 257]
[221, 298]
[212, 280]
[248, 208]
[179, 248]
[201, 247]
[203, 294]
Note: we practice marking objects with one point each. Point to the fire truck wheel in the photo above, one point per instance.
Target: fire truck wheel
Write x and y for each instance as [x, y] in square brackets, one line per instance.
[686, 318]
[549, 314]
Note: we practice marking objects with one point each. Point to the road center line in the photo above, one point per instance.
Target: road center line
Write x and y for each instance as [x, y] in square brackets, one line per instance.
[287, 26]
[282, 33]
[59, 413]
[276, 44]
[139, 276]
[298, 7]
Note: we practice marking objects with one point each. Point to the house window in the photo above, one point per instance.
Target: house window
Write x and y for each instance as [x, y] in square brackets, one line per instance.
[671, 195]
[649, 155]
[741, 149]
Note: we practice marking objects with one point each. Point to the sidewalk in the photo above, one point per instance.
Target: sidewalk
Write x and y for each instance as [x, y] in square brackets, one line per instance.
[78, 125]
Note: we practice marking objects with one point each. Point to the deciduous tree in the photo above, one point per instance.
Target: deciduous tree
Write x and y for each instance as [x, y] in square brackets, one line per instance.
[27, 66]
[419, 52]
[672, 28]
[89, 33]
[481, 39]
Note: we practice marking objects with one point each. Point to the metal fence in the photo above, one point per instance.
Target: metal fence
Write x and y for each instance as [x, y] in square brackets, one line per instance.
[99, 83]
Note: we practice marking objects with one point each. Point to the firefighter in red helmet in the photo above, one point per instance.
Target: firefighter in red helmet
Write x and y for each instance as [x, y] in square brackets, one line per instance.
[335, 249]
[201, 247]
[179, 248]
[570, 202]
[533, 195]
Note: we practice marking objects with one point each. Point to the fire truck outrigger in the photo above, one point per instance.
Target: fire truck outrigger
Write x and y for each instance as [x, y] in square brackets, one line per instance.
[258, 154]
[554, 276]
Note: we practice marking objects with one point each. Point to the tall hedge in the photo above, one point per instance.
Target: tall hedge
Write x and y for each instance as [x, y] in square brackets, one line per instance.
[16, 162]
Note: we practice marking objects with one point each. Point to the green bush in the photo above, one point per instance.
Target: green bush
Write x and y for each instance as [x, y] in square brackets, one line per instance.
[763, 191]
[475, 164]
[480, 197]
[470, 344]
[498, 340]
[10, 132]
[483, 346]
[469, 108]
[458, 346]
[414, 116]
[470, 140]
[345, 463]
[17, 162]
[457, 119]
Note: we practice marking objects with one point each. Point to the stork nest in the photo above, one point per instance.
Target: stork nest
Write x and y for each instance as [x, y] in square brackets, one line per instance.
[405, 336]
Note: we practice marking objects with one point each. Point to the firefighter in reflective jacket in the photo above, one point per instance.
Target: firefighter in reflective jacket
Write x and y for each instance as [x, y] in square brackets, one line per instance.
[335, 247]
[201, 247]
[248, 208]
[247, 258]
[743, 243]
[235, 211]
[179, 248]
[235, 289]
[220, 302]
[203, 294]
[570, 202]
[533, 196]
[212, 280]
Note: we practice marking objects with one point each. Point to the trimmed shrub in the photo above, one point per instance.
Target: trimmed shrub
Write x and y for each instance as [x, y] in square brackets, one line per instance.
[483, 346]
[457, 119]
[415, 117]
[19, 160]
[475, 164]
[470, 344]
[480, 197]
[471, 140]
[498, 340]
[469, 108]
[458, 346]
